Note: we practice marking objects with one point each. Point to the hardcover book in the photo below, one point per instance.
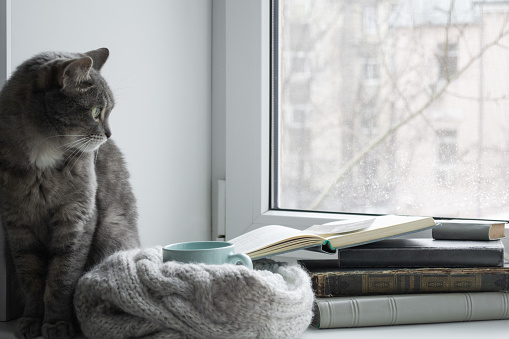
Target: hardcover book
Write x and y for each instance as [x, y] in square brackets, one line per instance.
[275, 239]
[423, 253]
[469, 230]
[381, 310]
[329, 280]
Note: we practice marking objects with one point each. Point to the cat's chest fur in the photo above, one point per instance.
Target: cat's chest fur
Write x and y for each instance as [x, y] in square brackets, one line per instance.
[43, 192]
[44, 156]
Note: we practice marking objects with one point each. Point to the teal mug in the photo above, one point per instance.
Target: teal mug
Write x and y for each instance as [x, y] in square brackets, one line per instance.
[206, 252]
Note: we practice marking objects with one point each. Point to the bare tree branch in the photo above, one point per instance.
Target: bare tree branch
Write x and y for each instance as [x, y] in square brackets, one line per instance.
[355, 160]
[486, 99]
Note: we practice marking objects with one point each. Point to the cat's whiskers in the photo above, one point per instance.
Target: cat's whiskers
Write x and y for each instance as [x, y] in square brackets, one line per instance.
[64, 135]
[74, 143]
[80, 146]
[67, 160]
[76, 150]
[90, 145]
[82, 150]
[75, 154]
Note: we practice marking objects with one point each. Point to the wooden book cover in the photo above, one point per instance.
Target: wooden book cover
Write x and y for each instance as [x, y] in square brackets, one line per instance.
[329, 280]
[276, 239]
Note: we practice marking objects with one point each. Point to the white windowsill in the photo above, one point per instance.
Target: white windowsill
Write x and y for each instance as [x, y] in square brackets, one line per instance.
[464, 330]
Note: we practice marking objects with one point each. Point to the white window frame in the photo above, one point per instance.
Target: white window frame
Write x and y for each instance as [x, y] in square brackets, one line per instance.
[241, 128]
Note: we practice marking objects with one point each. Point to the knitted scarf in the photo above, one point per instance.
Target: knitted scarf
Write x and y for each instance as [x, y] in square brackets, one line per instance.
[133, 294]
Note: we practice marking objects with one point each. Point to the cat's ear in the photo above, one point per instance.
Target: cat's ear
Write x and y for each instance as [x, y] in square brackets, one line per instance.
[74, 73]
[64, 73]
[99, 56]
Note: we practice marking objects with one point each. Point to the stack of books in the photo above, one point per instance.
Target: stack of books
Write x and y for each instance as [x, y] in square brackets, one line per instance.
[380, 279]
[458, 275]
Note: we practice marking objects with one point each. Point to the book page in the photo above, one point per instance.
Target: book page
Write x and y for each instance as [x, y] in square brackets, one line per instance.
[340, 226]
[381, 228]
[268, 235]
[497, 231]
[284, 247]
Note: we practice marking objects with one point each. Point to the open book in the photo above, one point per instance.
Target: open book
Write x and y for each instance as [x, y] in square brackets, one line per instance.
[275, 239]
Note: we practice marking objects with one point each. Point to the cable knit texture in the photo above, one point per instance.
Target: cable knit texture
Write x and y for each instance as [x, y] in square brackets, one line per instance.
[133, 294]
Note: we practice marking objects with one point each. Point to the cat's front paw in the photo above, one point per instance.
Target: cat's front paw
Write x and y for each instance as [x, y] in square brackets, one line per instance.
[27, 328]
[60, 330]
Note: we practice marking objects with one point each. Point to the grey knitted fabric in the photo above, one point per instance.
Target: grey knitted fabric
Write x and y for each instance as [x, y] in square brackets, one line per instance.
[133, 294]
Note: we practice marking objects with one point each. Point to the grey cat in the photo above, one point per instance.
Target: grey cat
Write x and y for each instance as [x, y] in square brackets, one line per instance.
[65, 199]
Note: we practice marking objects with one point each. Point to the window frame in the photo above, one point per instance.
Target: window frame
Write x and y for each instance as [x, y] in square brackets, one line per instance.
[241, 125]
[247, 130]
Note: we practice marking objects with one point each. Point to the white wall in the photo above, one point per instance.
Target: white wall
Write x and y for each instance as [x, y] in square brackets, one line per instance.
[160, 72]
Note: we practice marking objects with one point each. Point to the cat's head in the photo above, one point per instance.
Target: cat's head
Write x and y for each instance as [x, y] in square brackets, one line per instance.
[70, 103]
[77, 98]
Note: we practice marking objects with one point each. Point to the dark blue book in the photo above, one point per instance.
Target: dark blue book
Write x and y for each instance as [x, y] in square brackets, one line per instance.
[424, 253]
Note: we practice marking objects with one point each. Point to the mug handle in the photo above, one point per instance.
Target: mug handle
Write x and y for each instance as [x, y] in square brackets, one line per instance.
[243, 258]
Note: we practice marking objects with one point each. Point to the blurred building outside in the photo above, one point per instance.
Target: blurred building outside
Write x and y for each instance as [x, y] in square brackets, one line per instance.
[394, 107]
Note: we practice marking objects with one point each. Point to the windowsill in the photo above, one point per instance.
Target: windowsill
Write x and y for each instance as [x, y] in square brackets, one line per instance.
[464, 330]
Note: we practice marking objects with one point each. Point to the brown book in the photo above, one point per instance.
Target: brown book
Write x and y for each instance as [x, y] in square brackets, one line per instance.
[328, 280]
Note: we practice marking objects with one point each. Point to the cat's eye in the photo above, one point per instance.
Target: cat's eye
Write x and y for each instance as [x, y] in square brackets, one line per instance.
[96, 112]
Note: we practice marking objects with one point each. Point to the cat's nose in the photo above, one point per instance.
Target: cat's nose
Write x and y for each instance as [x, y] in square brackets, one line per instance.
[108, 134]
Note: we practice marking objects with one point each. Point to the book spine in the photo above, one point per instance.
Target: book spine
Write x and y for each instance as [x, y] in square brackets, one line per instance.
[360, 283]
[409, 309]
[421, 257]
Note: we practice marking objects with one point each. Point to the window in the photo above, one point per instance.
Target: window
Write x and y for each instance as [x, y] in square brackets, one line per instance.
[447, 149]
[254, 198]
[298, 117]
[299, 64]
[409, 102]
[369, 120]
[242, 121]
[447, 56]
[371, 69]
[447, 156]
[297, 93]
[369, 19]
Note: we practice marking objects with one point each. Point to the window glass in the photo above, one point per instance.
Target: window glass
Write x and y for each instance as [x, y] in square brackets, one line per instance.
[392, 106]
